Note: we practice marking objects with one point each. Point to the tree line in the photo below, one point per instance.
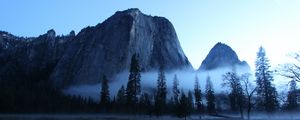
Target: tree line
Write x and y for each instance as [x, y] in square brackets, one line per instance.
[25, 95]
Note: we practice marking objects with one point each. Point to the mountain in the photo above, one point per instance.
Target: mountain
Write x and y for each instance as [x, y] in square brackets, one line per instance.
[221, 55]
[107, 48]
[97, 50]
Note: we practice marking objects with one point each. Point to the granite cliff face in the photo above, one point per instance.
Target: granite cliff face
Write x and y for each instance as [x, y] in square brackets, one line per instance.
[107, 48]
[102, 49]
[221, 55]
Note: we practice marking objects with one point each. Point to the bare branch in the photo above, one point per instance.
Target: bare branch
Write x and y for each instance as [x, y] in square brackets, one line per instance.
[291, 70]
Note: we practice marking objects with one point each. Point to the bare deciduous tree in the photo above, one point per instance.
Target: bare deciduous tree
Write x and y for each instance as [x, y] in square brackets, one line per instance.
[249, 91]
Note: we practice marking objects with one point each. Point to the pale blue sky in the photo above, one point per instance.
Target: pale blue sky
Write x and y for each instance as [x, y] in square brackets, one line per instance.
[243, 25]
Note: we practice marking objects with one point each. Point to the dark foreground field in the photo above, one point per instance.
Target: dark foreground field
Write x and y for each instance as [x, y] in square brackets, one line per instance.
[138, 117]
[94, 117]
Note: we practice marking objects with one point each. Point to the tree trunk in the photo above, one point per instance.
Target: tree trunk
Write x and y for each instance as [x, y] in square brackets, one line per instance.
[241, 112]
[248, 114]
[249, 108]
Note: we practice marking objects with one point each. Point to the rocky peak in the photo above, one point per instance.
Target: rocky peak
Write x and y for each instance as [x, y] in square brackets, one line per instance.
[8, 40]
[51, 34]
[7, 35]
[222, 46]
[72, 33]
[132, 11]
[221, 55]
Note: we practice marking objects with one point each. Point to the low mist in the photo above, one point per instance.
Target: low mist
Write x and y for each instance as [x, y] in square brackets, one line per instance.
[149, 79]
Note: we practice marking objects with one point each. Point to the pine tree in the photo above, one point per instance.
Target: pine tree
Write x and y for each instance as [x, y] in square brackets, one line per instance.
[190, 102]
[266, 92]
[133, 89]
[198, 96]
[104, 98]
[210, 97]
[183, 107]
[121, 99]
[161, 93]
[176, 96]
[145, 104]
[292, 103]
[176, 92]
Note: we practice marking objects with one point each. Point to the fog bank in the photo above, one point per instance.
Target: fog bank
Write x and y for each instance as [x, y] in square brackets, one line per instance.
[149, 79]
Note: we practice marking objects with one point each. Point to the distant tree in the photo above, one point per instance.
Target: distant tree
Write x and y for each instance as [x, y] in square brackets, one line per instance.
[175, 103]
[145, 104]
[198, 96]
[249, 91]
[133, 89]
[113, 104]
[190, 102]
[292, 98]
[176, 92]
[161, 93]
[183, 109]
[266, 92]
[236, 95]
[210, 97]
[222, 101]
[104, 99]
[121, 98]
[185, 106]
